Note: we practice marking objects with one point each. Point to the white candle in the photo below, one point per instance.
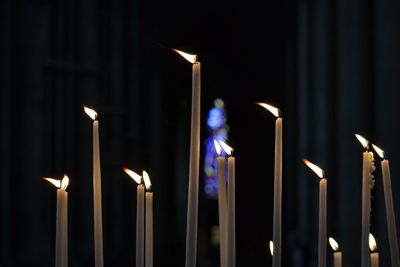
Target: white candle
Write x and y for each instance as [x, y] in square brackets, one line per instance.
[322, 237]
[222, 205]
[97, 207]
[139, 217]
[149, 221]
[149, 229]
[390, 217]
[61, 221]
[337, 259]
[277, 218]
[231, 213]
[140, 226]
[193, 190]
[374, 257]
[322, 223]
[337, 255]
[367, 182]
[231, 223]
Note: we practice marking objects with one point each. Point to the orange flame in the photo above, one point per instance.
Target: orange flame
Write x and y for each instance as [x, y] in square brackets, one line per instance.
[147, 182]
[61, 184]
[228, 150]
[271, 247]
[90, 112]
[379, 151]
[275, 111]
[217, 147]
[372, 242]
[56, 183]
[314, 168]
[334, 244]
[189, 57]
[362, 140]
[133, 175]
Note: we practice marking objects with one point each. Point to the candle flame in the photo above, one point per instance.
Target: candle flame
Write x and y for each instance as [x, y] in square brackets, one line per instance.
[189, 57]
[314, 168]
[90, 112]
[64, 182]
[228, 150]
[133, 175]
[147, 182]
[334, 244]
[362, 140]
[372, 242]
[217, 147]
[379, 151]
[56, 183]
[271, 247]
[275, 111]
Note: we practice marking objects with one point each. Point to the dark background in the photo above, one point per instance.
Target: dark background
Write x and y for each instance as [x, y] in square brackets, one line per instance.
[332, 66]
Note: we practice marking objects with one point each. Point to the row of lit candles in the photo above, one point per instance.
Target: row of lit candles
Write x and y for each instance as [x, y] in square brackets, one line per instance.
[228, 252]
[367, 185]
[337, 254]
[144, 206]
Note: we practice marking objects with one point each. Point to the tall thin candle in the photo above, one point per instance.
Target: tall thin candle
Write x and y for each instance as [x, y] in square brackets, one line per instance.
[231, 227]
[367, 184]
[390, 217]
[322, 237]
[222, 205]
[277, 218]
[97, 206]
[193, 190]
[61, 221]
[149, 221]
[337, 254]
[139, 217]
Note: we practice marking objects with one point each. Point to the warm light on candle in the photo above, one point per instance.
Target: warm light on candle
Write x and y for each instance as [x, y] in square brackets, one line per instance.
[217, 147]
[133, 175]
[90, 112]
[275, 111]
[146, 179]
[379, 151]
[228, 150]
[362, 140]
[334, 244]
[372, 242]
[314, 168]
[189, 57]
[271, 247]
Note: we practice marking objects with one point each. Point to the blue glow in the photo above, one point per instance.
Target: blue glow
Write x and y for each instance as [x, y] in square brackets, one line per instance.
[218, 129]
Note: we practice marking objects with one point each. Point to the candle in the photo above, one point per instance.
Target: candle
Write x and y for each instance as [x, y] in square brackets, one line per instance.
[231, 227]
[390, 217]
[222, 205]
[322, 213]
[367, 184]
[277, 219]
[193, 190]
[139, 217]
[61, 221]
[337, 255]
[149, 221]
[374, 255]
[98, 222]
